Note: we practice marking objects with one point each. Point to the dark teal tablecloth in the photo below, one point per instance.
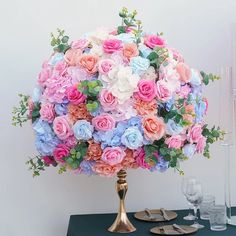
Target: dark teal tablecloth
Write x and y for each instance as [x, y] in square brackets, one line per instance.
[97, 224]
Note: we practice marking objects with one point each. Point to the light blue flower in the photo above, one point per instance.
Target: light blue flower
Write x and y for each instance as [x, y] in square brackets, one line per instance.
[83, 130]
[126, 38]
[189, 150]
[145, 51]
[61, 108]
[135, 121]
[87, 167]
[172, 128]
[170, 103]
[139, 65]
[45, 138]
[195, 78]
[56, 58]
[200, 109]
[132, 138]
[161, 165]
[37, 93]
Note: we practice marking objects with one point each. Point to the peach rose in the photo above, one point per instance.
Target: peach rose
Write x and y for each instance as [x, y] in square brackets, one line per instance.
[146, 108]
[78, 112]
[89, 63]
[105, 169]
[129, 160]
[189, 109]
[130, 50]
[72, 56]
[154, 127]
[184, 72]
[94, 152]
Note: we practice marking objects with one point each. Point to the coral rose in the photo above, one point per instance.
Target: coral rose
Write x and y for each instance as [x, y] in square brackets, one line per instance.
[78, 112]
[184, 72]
[146, 108]
[130, 50]
[154, 127]
[94, 152]
[72, 56]
[89, 63]
[104, 169]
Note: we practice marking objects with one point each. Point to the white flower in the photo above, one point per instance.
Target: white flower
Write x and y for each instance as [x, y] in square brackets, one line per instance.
[98, 36]
[123, 84]
[150, 74]
[97, 50]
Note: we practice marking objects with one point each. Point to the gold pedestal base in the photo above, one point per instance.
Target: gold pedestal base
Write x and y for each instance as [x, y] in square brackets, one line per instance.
[122, 223]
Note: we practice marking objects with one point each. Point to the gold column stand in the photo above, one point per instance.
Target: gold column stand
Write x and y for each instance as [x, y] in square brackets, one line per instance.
[122, 223]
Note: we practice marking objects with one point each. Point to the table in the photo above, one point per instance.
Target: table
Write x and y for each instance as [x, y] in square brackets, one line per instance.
[97, 224]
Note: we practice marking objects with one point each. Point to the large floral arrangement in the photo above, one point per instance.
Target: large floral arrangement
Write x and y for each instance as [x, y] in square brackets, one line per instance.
[117, 99]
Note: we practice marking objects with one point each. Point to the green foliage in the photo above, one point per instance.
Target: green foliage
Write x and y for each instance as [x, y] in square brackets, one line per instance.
[90, 88]
[60, 42]
[157, 57]
[129, 20]
[208, 77]
[92, 106]
[36, 164]
[212, 135]
[77, 155]
[20, 113]
[35, 112]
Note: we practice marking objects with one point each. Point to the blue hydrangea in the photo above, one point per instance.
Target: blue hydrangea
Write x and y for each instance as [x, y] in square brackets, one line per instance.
[87, 167]
[139, 65]
[145, 51]
[61, 108]
[83, 130]
[189, 150]
[37, 93]
[56, 58]
[161, 165]
[172, 128]
[126, 38]
[200, 109]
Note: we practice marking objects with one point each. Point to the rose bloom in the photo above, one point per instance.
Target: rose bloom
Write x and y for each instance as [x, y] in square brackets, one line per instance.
[195, 133]
[163, 91]
[62, 128]
[71, 141]
[79, 44]
[189, 109]
[184, 91]
[146, 108]
[107, 100]
[175, 141]
[60, 152]
[74, 95]
[89, 63]
[60, 67]
[47, 112]
[78, 112]
[129, 160]
[184, 72]
[153, 40]
[48, 160]
[103, 122]
[72, 56]
[140, 158]
[45, 74]
[201, 144]
[112, 45]
[105, 65]
[94, 151]
[113, 155]
[104, 169]
[154, 127]
[147, 90]
[130, 50]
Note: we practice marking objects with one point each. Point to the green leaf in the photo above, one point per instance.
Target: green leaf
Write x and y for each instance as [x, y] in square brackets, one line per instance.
[65, 39]
[152, 56]
[121, 29]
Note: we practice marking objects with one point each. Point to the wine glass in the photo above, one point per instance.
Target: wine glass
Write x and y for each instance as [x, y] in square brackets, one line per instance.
[185, 181]
[194, 196]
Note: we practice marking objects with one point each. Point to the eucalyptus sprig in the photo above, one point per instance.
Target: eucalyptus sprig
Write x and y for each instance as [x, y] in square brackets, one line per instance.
[20, 114]
[208, 77]
[129, 20]
[158, 56]
[36, 164]
[60, 41]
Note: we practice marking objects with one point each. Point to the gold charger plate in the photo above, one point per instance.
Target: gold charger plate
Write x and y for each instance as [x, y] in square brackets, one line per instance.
[169, 230]
[141, 215]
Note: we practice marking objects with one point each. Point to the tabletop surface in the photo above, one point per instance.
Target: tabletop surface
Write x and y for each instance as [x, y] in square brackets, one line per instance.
[97, 224]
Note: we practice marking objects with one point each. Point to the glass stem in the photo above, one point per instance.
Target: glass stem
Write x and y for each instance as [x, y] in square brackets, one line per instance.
[189, 211]
[195, 214]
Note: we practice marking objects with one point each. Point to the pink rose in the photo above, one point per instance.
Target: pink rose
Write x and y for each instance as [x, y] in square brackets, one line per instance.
[44, 75]
[140, 158]
[62, 128]
[184, 72]
[30, 108]
[79, 44]
[60, 152]
[60, 67]
[112, 45]
[103, 122]
[72, 56]
[184, 91]
[201, 144]
[154, 127]
[49, 161]
[163, 91]
[175, 141]
[74, 95]
[113, 155]
[47, 112]
[107, 100]
[153, 40]
[105, 65]
[195, 133]
[71, 141]
[147, 90]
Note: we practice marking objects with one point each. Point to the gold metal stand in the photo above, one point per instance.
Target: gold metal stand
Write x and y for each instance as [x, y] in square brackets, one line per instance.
[122, 223]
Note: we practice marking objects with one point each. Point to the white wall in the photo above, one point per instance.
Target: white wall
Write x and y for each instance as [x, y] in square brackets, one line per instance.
[41, 206]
